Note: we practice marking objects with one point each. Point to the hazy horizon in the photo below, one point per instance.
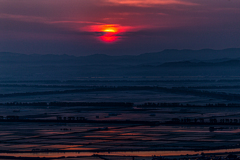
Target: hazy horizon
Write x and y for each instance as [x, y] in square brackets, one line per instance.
[137, 54]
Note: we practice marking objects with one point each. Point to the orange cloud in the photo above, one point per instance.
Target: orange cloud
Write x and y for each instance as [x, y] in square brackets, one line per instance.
[144, 3]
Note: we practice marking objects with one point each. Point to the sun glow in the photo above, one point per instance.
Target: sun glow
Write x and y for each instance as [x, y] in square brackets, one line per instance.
[109, 30]
[108, 33]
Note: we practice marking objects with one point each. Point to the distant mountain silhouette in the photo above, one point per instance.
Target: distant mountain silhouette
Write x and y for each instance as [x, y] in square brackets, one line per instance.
[233, 62]
[206, 62]
[169, 55]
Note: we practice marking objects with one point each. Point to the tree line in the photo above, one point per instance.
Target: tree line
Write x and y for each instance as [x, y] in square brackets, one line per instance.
[115, 104]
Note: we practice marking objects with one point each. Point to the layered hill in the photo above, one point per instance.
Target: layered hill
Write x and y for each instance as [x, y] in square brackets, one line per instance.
[206, 62]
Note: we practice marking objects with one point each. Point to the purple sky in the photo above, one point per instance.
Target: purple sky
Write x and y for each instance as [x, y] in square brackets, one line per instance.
[74, 26]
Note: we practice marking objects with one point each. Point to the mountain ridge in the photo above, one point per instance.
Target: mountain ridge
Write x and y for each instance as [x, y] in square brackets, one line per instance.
[15, 66]
[168, 55]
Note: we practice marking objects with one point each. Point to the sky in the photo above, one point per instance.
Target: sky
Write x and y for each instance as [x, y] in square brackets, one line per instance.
[117, 27]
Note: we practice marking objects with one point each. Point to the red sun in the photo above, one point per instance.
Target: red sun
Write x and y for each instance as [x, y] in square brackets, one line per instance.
[109, 33]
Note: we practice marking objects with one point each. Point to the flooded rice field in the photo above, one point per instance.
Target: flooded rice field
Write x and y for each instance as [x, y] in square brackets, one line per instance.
[130, 123]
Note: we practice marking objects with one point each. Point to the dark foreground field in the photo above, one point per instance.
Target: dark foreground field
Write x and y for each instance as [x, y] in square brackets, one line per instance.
[118, 119]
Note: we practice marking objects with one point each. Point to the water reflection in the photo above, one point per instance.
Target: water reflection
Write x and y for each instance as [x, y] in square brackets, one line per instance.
[125, 153]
